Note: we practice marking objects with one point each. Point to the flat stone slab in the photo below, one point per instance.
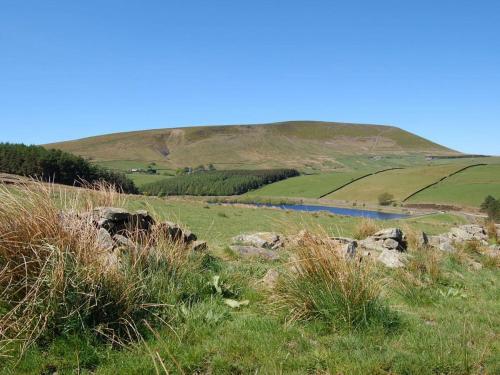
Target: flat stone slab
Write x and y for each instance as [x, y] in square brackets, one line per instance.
[392, 259]
[267, 240]
[255, 252]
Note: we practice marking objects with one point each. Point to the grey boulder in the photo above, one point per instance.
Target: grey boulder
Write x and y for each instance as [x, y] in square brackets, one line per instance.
[469, 232]
[392, 259]
[255, 252]
[443, 243]
[266, 240]
[104, 239]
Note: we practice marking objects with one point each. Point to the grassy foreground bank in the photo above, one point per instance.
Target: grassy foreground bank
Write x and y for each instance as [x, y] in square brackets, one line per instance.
[438, 316]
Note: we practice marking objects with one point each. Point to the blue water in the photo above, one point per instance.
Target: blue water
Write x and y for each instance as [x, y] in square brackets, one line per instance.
[338, 211]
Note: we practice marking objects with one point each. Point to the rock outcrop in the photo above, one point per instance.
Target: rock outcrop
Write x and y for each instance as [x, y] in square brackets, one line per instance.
[391, 259]
[387, 246]
[255, 252]
[458, 235]
[118, 221]
[442, 242]
[270, 279]
[265, 240]
[470, 232]
[262, 245]
[349, 245]
[121, 231]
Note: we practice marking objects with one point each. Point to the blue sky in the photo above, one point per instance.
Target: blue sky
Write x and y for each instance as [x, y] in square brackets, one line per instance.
[70, 69]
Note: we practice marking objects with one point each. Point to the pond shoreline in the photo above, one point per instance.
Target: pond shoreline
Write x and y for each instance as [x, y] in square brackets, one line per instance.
[341, 211]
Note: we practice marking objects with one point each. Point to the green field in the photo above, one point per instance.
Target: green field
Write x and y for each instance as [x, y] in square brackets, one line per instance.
[468, 188]
[122, 165]
[400, 183]
[311, 186]
[219, 223]
[141, 179]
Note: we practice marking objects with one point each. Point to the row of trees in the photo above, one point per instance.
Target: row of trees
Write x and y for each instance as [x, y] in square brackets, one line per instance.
[57, 166]
[231, 182]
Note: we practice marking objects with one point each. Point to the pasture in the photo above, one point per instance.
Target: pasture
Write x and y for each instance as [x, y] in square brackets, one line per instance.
[306, 186]
[467, 188]
[399, 183]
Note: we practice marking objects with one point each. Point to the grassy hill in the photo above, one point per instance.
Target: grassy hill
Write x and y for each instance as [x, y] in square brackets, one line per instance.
[296, 144]
[306, 186]
[468, 188]
[400, 183]
[454, 183]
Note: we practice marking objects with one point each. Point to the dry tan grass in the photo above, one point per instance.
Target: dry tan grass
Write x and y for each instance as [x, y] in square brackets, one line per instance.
[322, 283]
[366, 228]
[424, 264]
[54, 275]
[491, 229]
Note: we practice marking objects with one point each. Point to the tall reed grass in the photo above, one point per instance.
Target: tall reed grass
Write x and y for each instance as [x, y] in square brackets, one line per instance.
[55, 278]
[322, 283]
[365, 228]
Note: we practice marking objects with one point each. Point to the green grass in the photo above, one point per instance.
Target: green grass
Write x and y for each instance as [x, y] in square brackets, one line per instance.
[127, 165]
[455, 333]
[219, 223]
[312, 186]
[452, 328]
[468, 188]
[141, 179]
[400, 183]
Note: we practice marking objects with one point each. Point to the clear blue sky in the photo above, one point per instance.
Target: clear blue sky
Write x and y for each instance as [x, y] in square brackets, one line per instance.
[70, 69]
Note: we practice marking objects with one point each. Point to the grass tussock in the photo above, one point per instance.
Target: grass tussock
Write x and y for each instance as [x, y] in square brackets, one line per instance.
[491, 229]
[321, 283]
[365, 228]
[55, 278]
[423, 271]
[475, 255]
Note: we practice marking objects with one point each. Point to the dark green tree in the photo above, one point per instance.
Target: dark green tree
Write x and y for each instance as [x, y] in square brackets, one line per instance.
[57, 166]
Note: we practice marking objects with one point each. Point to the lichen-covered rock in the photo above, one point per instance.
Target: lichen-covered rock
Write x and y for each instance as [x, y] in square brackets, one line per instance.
[104, 239]
[422, 239]
[371, 244]
[392, 233]
[349, 246]
[392, 259]
[266, 240]
[270, 279]
[492, 251]
[386, 239]
[391, 244]
[255, 252]
[443, 243]
[469, 232]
